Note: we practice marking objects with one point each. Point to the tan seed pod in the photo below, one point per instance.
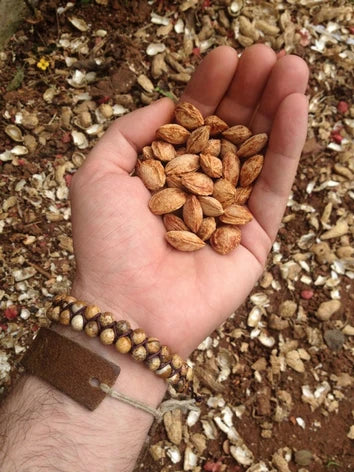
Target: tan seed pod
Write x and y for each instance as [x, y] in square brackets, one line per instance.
[211, 165]
[225, 239]
[236, 215]
[211, 206]
[182, 164]
[123, 345]
[231, 167]
[253, 145]
[198, 139]
[207, 228]
[227, 146]
[217, 125]
[107, 336]
[184, 241]
[174, 223]
[225, 192]
[198, 183]
[213, 147]
[251, 170]
[163, 151]
[192, 213]
[174, 181]
[243, 194]
[173, 133]
[188, 115]
[167, 200]
[151, 173]
[146, 153]
[237, 134]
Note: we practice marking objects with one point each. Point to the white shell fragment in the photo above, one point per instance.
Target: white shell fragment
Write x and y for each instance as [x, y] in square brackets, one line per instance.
[14, 133]
[242, 454]
[79, 23]
[79, 139]
[155, 48]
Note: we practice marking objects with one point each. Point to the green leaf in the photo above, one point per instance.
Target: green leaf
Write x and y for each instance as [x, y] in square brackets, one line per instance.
[166, 93]
[17, 80]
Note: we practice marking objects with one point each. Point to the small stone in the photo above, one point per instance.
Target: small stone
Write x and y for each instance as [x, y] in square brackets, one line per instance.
[123, 345]
[288, 309]
[77, 323]
[306, 294]
[334, 339]
[327, 309]
[173, 425]
[303, 457]
[107, 336]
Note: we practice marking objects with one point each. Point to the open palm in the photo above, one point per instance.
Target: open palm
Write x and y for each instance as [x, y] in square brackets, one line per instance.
[123, 261]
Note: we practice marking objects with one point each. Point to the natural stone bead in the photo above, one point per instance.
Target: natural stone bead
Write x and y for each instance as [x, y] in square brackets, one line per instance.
[91, 311]
[64, 317]
[138, 336]
[53, 313]
[107, 336]
[58, 298]
[164, 372]
[106, 319]
[152, 345]
[69, 299]
[77, 323]
[75, 307]
[91, 329]
[174, 379]
[123, 327]
[154, 363]
[181, 385]
[177, 361]
[123, 345]
[139, 353]
[165, 354]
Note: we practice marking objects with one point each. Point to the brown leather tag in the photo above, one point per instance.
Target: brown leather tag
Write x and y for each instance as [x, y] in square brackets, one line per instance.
[70, 367]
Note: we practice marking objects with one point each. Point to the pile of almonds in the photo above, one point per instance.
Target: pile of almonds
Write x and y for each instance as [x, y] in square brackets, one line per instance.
[201, 172]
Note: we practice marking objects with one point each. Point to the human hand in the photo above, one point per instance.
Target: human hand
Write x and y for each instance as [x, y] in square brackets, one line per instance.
[124, 263]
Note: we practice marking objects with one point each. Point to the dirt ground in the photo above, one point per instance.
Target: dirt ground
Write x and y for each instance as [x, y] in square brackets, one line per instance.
[277, 377]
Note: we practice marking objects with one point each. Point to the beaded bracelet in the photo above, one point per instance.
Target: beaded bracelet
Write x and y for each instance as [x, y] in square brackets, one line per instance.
[69, 311]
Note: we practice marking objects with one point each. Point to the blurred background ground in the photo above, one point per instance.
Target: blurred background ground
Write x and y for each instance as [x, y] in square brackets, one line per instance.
[278, 375]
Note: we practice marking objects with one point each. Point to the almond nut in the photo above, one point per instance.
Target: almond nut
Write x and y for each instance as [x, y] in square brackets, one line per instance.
[173, 133]
[167, 201]
[227, 146]
[198, 139]
[174, 181]
[188, 115]
[231, 167]
[184, 240]
[147, 153]
[225, 239]
[207, 228]
[151, 173]
[253, 145]
[174, 223]
[237, 134]
[236, 215]
[211, 206]
[225, 192]
[211, 165]
[192, 213]
[243, 194]
[198, 183]
[163, 151]
[217, 125]
[182, 164]
[251, 170]
[213, 147]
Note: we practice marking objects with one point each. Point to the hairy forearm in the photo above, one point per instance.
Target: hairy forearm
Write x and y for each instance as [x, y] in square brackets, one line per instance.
[43, 429]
